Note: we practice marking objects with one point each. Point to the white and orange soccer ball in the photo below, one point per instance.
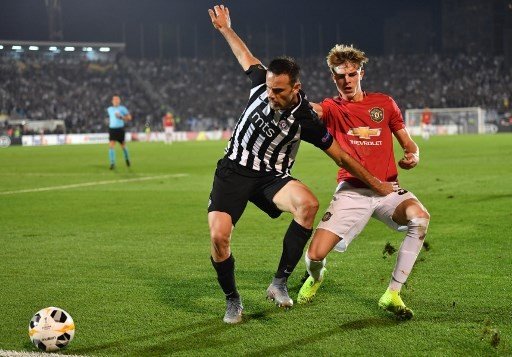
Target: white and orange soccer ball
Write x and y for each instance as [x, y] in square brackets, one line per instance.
[51, 329]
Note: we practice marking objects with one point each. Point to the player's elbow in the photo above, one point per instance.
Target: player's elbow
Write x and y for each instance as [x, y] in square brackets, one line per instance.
[246, 60]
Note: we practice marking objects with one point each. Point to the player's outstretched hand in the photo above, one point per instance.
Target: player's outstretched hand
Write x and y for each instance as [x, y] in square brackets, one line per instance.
[409, 161]
[220, 17]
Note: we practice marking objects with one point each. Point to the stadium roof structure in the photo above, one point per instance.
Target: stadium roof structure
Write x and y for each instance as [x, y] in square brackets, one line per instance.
[61, 45]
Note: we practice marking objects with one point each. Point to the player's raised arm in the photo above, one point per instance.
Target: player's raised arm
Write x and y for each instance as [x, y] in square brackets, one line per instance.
[222, 22]
[344, 160]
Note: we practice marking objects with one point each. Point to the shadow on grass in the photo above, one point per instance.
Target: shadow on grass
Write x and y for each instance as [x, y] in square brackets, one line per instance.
[213, 337]
[492, 197]
[177, 295]
[193, 295]
[196, 335]
[369, 323]
[189, 338]
[203, 293]
[205, 335]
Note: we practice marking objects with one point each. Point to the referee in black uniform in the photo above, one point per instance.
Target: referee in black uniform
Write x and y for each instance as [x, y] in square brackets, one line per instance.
[256, 167]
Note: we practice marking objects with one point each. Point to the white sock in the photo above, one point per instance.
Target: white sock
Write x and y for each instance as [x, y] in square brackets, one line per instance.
[315, 268]
[408, 252]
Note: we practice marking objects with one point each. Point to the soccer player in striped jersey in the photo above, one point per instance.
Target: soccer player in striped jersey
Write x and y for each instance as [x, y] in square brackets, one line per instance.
[256, 167]
[364, 124]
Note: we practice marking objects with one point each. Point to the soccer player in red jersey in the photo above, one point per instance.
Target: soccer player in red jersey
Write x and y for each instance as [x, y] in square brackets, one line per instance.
[426, 120]
[168, 124]
[363, 123]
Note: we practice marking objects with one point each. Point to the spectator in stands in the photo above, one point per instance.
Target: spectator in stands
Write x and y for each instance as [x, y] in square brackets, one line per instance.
[37, 87]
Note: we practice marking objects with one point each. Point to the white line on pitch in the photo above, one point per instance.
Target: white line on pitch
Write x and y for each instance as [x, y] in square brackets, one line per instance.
[4, 353]
[95, 183]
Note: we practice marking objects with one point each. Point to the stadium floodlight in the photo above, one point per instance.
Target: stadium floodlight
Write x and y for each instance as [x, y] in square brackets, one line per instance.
[17, 48]
[87, 49]
[53, 48]
[104, 49]
[69, 49]
[1, 47]
[33, 48]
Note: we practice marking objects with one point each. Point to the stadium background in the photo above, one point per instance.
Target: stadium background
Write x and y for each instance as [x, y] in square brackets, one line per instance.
[125, 252]
[165, 56]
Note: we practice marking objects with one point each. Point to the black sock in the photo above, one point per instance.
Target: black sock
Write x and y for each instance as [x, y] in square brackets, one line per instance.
[294, 242]
[226, 276]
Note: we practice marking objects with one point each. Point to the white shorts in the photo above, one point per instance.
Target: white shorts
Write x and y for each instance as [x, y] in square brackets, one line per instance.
[351, 209]
[169, 129]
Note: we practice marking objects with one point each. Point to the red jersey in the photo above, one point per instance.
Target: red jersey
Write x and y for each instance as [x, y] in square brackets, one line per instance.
[364, 130]
[426, 117]
[168, 121]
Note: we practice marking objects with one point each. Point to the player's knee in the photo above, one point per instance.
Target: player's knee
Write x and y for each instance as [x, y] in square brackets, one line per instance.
[418, 226]
[307, 208]
[309, 204]
[315, 255]
[219, 237]
[424, 214]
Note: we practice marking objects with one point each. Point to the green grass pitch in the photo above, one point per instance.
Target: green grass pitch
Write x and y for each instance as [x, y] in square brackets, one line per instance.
[129, 259]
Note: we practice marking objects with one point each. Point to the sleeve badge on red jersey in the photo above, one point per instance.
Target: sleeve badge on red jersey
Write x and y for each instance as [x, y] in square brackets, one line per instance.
[377, 114]
[327, 216]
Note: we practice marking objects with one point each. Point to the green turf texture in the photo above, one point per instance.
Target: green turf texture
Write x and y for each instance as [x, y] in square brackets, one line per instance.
[130, 261]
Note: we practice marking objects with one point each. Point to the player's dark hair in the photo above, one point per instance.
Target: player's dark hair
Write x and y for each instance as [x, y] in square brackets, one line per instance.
[285, 65]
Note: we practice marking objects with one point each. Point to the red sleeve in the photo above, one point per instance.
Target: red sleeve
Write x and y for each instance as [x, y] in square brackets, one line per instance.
[326, 111]
[396, 121]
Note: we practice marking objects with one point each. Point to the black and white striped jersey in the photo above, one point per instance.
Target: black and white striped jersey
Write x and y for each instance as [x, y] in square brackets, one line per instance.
[268, 141]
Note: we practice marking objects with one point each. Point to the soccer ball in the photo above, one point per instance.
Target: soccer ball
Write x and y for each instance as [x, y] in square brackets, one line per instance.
[51, 329]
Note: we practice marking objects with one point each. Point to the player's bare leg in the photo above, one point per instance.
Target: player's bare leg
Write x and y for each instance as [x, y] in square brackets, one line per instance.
[296, 198]
[412, 214]
[221, 226]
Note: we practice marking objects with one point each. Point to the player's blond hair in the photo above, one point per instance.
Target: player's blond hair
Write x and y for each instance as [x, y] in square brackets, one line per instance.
[340, 54]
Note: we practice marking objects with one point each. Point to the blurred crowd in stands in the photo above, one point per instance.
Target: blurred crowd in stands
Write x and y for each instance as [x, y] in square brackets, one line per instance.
[206, 94]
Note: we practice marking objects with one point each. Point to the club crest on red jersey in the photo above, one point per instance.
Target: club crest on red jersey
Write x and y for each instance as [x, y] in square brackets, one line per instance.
[377, 114]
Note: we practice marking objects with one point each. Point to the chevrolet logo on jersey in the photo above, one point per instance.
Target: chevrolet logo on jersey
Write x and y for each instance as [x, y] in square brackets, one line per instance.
[364, 132]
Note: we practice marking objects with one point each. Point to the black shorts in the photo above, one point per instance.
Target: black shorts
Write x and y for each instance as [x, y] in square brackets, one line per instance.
[235, 185]
[116, 134]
